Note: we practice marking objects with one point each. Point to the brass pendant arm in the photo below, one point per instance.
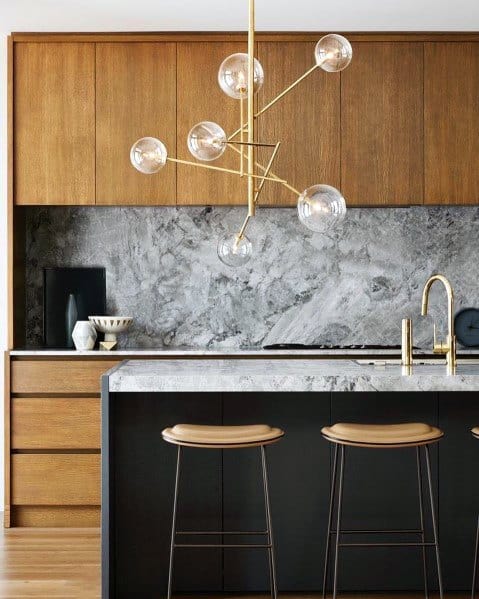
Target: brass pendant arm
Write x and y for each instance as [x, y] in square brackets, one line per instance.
[257, 144]
[271, 174]
[278, 97]
[223, 170]
[258, 191]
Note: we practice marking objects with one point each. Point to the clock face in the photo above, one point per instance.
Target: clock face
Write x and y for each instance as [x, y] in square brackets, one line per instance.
[466, 324]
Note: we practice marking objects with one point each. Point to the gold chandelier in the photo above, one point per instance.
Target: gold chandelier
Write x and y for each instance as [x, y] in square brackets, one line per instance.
[319, 207]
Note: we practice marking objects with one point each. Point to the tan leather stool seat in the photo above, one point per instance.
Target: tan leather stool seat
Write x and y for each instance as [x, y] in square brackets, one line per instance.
[475, 432]
[382, 435]
[222, 436]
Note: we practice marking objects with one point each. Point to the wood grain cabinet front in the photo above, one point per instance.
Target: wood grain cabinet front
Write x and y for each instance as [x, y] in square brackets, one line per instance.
[135, 97]
[55, 423]
[451, 122]
[306, 121]
[58, 376]
[55, 479]
[382, 125]
[54, 123]
[201, 99]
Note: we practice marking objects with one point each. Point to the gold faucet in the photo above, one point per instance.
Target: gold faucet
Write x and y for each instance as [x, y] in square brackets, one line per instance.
[449, 347]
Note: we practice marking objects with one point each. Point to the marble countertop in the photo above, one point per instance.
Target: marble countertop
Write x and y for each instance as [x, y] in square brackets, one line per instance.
[284, 375]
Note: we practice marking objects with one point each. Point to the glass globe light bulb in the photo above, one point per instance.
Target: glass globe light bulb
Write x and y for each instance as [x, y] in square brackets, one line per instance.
[233, 251]
[207, 141]
[233, 76]
[333, 53]
[148, 155]
[321, 207]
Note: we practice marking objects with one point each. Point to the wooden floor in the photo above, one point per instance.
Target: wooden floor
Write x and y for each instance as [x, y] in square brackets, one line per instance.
[52, 563]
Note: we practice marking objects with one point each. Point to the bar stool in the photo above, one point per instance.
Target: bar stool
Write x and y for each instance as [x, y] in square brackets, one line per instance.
[475, 434]
[378, 436]
[224, 437]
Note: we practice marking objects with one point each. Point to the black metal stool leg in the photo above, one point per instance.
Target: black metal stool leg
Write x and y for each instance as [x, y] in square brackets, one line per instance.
[338, 525]
[272, 565]
[330, 520]
[421, 514]
[476, 555]
[433, 518]
[173, 525]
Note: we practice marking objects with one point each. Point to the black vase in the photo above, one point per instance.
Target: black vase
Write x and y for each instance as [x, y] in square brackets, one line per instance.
[71, 316]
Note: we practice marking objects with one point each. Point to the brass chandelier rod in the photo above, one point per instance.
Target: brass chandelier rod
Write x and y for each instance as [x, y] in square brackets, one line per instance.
[271, 174]
[251, 148]
[278, 97]
[225, 170]
[267, 170]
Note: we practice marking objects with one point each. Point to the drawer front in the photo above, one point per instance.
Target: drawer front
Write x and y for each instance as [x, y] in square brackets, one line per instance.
[58, 376]
[55, 479]
[55, 423]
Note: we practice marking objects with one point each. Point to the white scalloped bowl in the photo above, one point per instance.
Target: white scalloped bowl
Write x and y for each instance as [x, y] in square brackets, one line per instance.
[111, 325]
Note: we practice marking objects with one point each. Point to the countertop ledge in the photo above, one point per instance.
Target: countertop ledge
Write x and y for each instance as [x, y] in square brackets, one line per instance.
[283, 375]
[195, 351]
[215, 352]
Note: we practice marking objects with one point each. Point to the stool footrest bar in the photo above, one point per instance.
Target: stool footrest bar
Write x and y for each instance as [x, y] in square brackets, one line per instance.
[386, 545]
[210, 532]
[222, 545]
[379, 532]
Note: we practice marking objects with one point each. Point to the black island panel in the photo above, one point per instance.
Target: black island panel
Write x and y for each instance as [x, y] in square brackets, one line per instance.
[223, 489]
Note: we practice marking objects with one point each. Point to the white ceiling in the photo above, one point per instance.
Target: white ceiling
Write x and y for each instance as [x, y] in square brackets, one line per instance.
[158, 15]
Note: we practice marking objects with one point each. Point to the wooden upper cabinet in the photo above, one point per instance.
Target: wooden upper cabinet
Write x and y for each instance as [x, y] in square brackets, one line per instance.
[306, 121]
[54, 123]
[201, 99]
[135, 97]
[451, 113]
[382, 125]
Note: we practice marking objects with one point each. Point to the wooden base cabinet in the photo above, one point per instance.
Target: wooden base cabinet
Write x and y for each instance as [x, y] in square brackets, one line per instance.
[52, 459]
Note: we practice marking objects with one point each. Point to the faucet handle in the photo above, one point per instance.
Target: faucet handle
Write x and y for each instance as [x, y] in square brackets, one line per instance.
[438, 347]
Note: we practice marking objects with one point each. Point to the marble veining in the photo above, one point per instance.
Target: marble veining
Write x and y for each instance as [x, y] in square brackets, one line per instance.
[353, 285]
[284, 375]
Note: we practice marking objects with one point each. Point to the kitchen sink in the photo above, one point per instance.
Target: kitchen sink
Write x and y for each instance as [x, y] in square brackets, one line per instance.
[417, 361]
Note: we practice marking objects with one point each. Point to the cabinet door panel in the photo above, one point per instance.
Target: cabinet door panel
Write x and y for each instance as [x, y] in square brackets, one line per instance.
[381, 491]
[306, 121]
[54, 123]
[55, 423]
[299, 475]
[144, 477]
[458, 487]
[201, 99]
[56, 479]
[451, 127]
[58, 376]
[382, 125]
[135, 97]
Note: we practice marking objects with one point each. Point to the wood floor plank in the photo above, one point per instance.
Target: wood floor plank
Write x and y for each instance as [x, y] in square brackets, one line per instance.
[52, 563]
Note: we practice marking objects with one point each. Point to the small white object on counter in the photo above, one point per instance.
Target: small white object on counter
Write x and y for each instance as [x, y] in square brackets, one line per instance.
[111, 326]
[84, 335]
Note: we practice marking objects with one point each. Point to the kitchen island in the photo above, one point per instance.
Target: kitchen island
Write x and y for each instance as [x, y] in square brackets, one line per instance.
[222, 489]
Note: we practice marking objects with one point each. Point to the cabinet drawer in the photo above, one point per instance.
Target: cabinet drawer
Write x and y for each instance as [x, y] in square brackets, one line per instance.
[55, 479]
[55, 423]
[58, 376]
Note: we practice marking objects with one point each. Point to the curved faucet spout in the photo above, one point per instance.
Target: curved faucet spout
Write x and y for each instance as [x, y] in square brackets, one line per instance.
[449, 348]
[450, 297]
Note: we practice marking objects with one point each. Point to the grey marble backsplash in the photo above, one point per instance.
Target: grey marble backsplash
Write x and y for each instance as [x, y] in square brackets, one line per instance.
[353, 285]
